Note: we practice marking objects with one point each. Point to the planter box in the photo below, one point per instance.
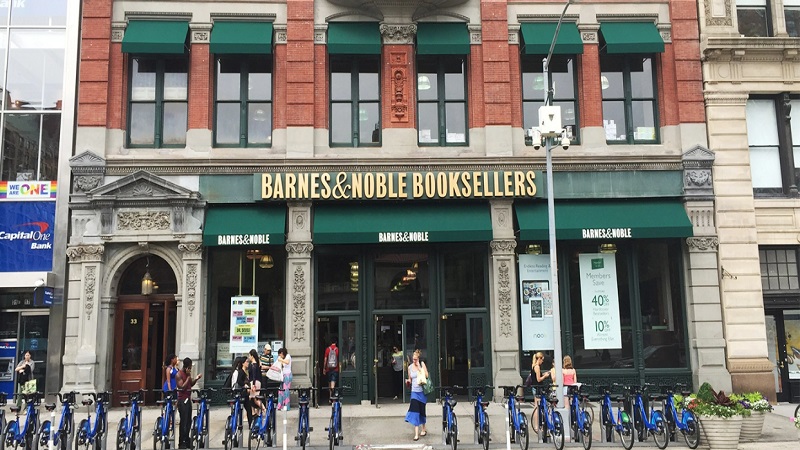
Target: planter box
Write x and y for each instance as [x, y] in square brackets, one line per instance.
[719, 433]
[752, 426]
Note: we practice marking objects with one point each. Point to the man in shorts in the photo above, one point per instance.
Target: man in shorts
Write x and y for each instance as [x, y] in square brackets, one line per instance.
[331, 365]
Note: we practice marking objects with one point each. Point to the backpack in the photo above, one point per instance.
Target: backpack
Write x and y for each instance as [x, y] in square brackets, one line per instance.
[228, 381]
[333, 359]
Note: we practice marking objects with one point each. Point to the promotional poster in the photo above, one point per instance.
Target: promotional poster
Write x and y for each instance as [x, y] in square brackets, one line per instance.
[536, 303]
[600, 301]
[244, 324]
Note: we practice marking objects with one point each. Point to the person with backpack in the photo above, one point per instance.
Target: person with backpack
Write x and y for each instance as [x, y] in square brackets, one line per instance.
[331, 365]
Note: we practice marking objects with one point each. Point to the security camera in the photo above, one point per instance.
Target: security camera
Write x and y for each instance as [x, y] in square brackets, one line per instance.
[536, 138]
[565, 142]
[38, 283]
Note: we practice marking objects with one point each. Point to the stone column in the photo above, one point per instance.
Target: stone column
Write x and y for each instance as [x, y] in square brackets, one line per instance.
[192, 311]
[85, 341]
[504, 313]
[299, 295]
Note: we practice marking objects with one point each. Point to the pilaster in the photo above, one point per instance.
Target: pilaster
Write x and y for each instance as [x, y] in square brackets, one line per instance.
[503, 306]
[192, 311]
[299, 296]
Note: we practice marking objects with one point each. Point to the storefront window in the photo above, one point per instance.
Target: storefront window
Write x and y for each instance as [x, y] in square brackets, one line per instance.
[402, 281]
[464, 278]
[337, 282]
[231, 274]
[778, 269]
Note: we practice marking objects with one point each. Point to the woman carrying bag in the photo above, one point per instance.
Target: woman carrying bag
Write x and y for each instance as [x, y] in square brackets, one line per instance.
[417, 372]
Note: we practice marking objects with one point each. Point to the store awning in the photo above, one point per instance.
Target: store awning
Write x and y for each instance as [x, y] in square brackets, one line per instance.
[155, 36]
[354, 38]
[605, 219]
[448, 38]
[538, 36]
[632, 37]
[251, 225]
[401, 223]
[251, 38]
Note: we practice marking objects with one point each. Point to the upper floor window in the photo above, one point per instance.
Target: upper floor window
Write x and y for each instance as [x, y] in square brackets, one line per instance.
[791, 10]
[778, 269]
[243, 101]
[774, 160]
[630, 109]
[441, 100]
[562, 81]
[753, 17]
[158, 106]
[355, 100]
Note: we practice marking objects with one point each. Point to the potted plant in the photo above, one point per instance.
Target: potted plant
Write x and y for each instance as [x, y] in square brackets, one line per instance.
[756, 405]
[720, 418]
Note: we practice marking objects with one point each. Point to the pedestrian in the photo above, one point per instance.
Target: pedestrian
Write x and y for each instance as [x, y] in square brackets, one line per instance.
[26, 384]
[286, 360]
[570, 377]
[239, 375]
[255, 381]
[330, 364]
[416, 409]
[266, 359]
[170, 374]
[397, 374]
[537, 377]
[185, 383]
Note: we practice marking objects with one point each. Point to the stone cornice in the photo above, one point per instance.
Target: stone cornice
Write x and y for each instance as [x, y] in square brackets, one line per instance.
[157, 15]
[726, 98]
[398, 33]
[249, 17]
[725, 49]
[546, 17]
[85, 253]
[750, 365]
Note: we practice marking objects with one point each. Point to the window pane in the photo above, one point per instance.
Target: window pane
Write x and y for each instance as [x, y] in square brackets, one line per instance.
[401, 281]
[568, 115]
[530, 112]
[35, 69]
[765, 167]
[792, 21]
[644, 123]
[464, 276]
[454, 88]
[341, 78]
[368, 120]
[612, 67]
[762, 124]
[428, 123]
[456, 121]
[175, 79]
[259, 124]
[752, 21]
[175, 120]
[533, 85]
[21, 147]
[51, 134]
[614, 120]
[133, 326]
[228, 79]
[368, 80]
[337, 281]
[36, 12]
[3, 35]
[641, 78]
[342, 123]
[143, 123]
[259, 85]
[562, 72]
[427, 83]
[228, 121]
[795, 126]
[143, 81]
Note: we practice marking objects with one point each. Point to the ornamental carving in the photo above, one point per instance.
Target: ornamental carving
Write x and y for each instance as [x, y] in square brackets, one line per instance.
[191, 249]
[698, 177]
[398, 34]
[87, 183]
[85, 253]
[503, 246]
[88, 290]
[504, 299]
[199, 37]
[191, 287]
[299, 249]
[143, 220]
[299, 305]
[703, 243]
[399, 104]
[300, 221]
[721, 16]
[142, 190]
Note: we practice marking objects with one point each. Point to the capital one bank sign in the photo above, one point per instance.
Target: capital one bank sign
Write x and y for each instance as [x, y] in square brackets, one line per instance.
[26, 236]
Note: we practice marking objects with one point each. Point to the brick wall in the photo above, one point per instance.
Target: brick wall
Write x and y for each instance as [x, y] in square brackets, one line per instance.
[591, 96]
[201, 72]
[496, 70]
[93, 88]
[688, 74]
[299, 81]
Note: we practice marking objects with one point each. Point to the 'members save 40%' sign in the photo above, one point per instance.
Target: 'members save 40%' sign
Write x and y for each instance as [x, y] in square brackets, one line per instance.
[600, 301]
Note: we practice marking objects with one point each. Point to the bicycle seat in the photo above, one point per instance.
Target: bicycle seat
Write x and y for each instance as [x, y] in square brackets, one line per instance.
[87, 402]
[14, 409]
[196, 400]
[161, 402]
[621, 398]
[50, 406]
[485, 404]
[303, 402]
[231, 401]
[452, 402]
[124, 403]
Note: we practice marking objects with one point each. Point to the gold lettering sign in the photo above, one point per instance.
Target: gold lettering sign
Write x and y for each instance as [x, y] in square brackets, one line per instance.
[396, 185]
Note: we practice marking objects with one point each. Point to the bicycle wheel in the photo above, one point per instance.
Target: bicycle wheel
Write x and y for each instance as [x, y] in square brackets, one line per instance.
[523, 436]
[303, 431]
[485, 434]
[227, 440]
[204, 430]
[120, 438]
[558, 430]
[43, 436]
[331, 434]
[586, 432]
[692, 432]
[660, 433]
[608, 428]
[158, 438]
[626, 435]
[511, 430]
[454, 433]
[253, 440]
[194, 437]
[81, 437]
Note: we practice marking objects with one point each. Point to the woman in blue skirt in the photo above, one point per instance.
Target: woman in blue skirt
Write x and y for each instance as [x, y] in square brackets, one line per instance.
[416, 409]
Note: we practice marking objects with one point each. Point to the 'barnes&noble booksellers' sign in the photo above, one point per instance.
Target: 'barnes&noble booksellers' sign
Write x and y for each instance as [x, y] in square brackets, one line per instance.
[394, 185]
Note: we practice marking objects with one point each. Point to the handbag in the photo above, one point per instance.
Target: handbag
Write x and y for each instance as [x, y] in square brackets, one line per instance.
[427, 388]
[275, 372]
[29, 387]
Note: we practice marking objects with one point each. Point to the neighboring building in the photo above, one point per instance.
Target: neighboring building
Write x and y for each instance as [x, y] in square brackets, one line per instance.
[362, 168]
[38, 71]
[750, 53]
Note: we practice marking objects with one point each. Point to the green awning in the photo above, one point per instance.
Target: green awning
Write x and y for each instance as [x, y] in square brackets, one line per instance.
[605, 219]
[155, 36]
[401, 223]
[354, 38]
[632, 37]
[251, 38]
[251, 225]
[448, 38]
[538, 36]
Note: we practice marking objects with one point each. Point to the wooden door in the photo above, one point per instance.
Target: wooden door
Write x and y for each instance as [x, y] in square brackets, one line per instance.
[131, 335]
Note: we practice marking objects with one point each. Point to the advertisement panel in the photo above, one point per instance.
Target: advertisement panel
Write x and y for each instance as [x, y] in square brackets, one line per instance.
[244, 324]
[536, 303]
[600, 301]
[26, 236]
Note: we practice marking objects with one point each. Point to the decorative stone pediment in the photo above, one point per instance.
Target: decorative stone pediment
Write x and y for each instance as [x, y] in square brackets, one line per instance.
[88, 170]
[697, 172]
[142, 186]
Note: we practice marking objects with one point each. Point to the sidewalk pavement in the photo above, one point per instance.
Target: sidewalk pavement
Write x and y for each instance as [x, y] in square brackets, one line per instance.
[367, 426]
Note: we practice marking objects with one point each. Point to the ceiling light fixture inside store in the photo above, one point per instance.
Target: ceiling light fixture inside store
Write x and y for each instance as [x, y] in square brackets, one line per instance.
[423, 83]
[266, 262]
[147, 281]
[604, 84]
[533, 249]
[608, 248]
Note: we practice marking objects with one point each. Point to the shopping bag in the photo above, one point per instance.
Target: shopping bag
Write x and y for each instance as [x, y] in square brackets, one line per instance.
[421, 380]
[427, 388]
[275, 372]
[29, 387]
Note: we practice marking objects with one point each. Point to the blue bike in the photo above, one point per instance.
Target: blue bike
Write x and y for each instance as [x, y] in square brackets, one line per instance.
[130, 427]
[334, 427]
[517, 420]
[449, 419]
[551, 424]
[233, 423]
[23, 434]
[66, 425]
[481, 417]
[579, 419]
[653, 423]
[164, 429]
[198, 434]
[621, 424]
[303, 427]
[89, 436]
[685, 422]
[263, 428]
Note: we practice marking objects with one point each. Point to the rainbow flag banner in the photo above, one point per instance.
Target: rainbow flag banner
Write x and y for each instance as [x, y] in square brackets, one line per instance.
[28, 190]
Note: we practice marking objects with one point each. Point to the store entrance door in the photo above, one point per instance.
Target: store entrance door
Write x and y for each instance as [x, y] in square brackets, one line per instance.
[783, 343]
[463, 349]
[345, 331]
[144, 335]
[406, 332]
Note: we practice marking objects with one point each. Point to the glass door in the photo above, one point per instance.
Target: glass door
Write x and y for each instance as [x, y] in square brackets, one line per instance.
[416, 336]
[33, 328]
[463, 347]
[131, 338]
[344, 331]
